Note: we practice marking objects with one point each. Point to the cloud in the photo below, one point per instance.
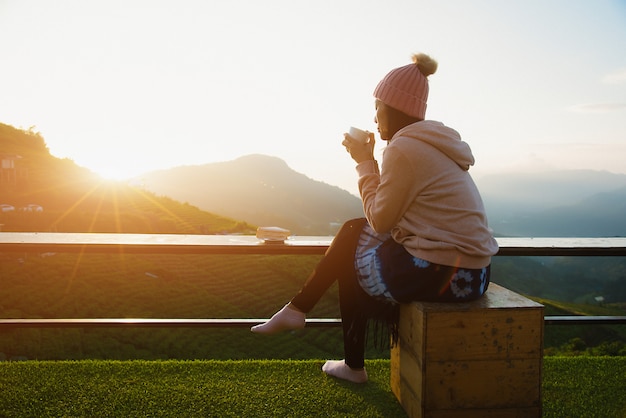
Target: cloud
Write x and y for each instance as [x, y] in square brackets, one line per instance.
[597, 107]
[548, 157]
[585, 156]
[617, 77]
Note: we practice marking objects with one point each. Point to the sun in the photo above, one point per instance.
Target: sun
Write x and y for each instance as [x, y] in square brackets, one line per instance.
[115, 172]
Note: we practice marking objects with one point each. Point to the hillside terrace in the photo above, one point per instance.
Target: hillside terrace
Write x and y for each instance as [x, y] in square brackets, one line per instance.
[249, 245]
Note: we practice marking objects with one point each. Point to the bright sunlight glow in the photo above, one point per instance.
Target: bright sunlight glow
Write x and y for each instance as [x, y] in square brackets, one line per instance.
[128, 87]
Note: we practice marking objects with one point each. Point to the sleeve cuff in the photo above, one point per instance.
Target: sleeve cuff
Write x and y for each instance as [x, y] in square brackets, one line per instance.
[367, 167]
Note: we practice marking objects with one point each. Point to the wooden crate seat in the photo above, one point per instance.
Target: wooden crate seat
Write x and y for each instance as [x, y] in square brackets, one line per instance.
[475, 359]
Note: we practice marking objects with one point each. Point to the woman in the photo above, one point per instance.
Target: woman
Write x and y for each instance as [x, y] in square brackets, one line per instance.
[425, 236]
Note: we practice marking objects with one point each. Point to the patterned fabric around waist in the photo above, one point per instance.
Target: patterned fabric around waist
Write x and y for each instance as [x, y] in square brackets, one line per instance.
[386, 271]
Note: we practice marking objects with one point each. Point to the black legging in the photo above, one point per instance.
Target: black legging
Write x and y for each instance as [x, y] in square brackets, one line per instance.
[338, 265]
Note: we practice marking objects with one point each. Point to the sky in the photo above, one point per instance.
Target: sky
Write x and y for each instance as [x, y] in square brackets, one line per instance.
[124, 87]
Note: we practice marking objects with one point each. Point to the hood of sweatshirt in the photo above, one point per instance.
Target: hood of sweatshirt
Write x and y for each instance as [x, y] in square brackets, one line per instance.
[445, 139]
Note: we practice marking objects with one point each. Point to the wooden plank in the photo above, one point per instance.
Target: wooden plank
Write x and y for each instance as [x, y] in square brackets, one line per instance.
[411, 328]
[248, 244]
[410, 380]
[501, 324]
[485, 334]
[496, 297]
[532, 412]
[157, 243]
[545, 246]
[483, 384]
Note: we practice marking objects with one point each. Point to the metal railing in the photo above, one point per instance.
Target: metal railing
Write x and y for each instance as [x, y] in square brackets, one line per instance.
[87, 243]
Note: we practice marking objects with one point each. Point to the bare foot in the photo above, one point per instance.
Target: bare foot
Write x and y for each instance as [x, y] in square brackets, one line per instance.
[339, 369]
[288, 318]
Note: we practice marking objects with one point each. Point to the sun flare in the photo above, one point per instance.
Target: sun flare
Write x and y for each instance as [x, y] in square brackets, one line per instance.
[116, 173]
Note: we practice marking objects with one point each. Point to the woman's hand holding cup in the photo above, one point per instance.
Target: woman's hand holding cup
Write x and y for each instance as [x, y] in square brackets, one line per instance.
[360, 144]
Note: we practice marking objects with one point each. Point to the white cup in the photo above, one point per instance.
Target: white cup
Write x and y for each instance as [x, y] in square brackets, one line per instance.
[359, 135]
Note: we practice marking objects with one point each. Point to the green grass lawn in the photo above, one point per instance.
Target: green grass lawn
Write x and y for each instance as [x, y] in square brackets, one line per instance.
[572, 387]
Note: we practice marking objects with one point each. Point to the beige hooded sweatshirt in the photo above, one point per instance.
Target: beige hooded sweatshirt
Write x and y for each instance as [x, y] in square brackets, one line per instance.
[425, 196]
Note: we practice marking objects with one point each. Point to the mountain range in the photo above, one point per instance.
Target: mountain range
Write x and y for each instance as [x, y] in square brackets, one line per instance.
[261, 190]
[264, 190]
[70, 198]
[564, 203]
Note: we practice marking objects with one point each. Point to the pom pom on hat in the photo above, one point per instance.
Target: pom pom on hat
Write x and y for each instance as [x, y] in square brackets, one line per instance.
[406, 88]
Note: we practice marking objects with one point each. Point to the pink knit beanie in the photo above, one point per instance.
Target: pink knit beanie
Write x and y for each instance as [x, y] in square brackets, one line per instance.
[406, 88]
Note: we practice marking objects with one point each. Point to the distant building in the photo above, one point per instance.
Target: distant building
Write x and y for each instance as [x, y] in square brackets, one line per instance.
[10, 171]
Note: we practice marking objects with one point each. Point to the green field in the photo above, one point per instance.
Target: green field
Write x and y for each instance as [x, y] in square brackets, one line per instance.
[582, 387]
[168, 286]
[71, 286]
[188, 286]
